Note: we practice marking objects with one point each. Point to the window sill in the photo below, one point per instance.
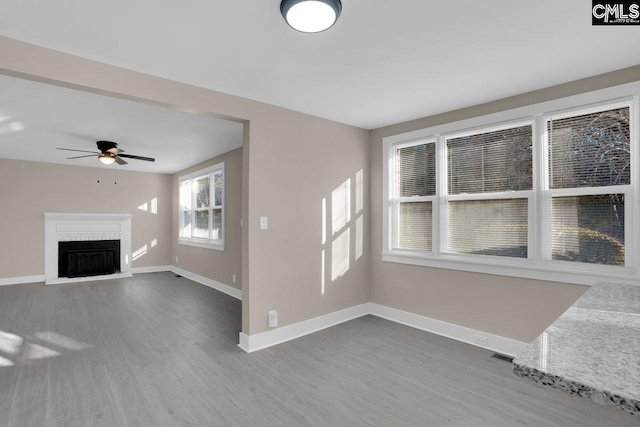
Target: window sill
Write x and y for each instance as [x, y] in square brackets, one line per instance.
[202, 244]
[556, 271]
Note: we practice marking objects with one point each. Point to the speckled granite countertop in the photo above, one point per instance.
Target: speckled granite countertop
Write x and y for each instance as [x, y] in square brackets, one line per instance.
[593, 349]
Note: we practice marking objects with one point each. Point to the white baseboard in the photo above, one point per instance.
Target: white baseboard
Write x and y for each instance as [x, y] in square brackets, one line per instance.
[460, 333]
[236, 293]
[244, 342]
[229, 290]
[251, 343]
[63, 280]
[153, 269]
[42, 278]
[23, 279]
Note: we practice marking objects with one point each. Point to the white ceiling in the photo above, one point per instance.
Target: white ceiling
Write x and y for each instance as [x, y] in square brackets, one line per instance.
[383, 62]
[36, 118]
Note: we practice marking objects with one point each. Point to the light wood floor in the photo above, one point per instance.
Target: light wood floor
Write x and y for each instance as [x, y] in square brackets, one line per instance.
[157, 350]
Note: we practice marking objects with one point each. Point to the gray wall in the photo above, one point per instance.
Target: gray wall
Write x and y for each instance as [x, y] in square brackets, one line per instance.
[29, 189]
[510, 307]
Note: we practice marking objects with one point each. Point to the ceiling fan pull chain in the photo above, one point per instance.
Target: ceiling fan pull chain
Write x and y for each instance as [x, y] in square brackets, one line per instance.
[115, 176]
[98, 171]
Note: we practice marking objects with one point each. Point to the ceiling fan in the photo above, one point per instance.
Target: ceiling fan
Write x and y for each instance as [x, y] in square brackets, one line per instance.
[109, 153]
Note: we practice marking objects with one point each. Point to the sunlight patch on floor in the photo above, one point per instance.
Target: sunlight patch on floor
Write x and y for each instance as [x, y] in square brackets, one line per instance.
[5, 362]
[37, 352]
[62, 341]
[10, 343]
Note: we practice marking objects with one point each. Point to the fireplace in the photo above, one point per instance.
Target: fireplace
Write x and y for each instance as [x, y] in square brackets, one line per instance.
[91, 258]
[81, 247]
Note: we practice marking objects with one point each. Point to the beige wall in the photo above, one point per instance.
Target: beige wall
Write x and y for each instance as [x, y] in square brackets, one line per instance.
[29, 189]
[511, 307]
[302, 161]
[213, 264]
[291, 162]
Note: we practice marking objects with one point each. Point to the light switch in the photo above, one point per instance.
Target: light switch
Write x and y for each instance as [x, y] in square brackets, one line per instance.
[264, 223]
[273, 319]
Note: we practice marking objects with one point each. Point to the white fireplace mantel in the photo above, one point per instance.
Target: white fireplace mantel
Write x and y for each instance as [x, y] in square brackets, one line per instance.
[65, 227]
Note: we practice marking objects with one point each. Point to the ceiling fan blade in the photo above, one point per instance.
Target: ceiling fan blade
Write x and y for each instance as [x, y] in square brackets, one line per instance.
[119, 160]
[80, 151]
[79, 157]
[130, 156]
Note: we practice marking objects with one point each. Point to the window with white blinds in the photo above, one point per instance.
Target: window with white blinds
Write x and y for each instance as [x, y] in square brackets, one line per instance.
[200, 217]
[588, 229]
[491, 162]
[589, 154]
[416, 170]
[489, 227]
[414, 196]
[415, 222]
[494, 163]
[552, 192]
[590, 150]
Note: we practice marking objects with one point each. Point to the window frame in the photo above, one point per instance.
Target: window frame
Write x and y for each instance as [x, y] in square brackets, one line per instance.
[628, 189]
[536, 265]
[207, 243]
[397, 200]
[529, 195]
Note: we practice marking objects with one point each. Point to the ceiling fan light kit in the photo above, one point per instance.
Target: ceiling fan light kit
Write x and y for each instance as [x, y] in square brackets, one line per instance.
[310, 16]
[107, 159]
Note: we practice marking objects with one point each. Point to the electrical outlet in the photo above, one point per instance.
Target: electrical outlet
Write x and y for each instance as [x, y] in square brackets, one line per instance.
[234, 278]
[480, 340]
[273, 319]
[176, 260]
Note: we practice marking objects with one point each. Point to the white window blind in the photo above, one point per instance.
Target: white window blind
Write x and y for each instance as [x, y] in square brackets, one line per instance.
[499, 162]
[489, 227]
[415, 194]
[416, 170]
[589, 229]
[491, 162]
[415, 226]
[590, 150]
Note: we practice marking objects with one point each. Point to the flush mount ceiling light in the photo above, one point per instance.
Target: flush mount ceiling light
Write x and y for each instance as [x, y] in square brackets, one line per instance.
[310, 16]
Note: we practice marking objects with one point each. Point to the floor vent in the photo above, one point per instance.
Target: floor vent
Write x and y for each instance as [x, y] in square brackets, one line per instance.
[502, 357]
